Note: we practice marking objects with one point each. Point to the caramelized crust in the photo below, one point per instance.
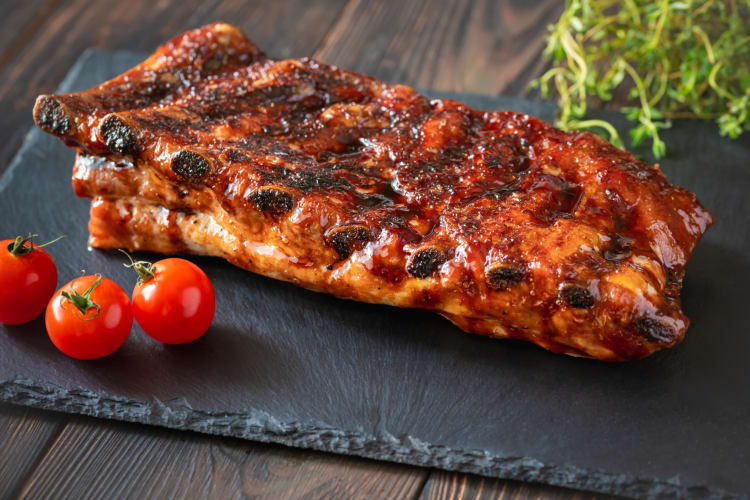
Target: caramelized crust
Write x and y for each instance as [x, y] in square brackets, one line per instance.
[341, 183]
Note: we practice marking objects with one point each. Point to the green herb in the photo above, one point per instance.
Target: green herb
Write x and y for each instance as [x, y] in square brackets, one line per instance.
[678, 59]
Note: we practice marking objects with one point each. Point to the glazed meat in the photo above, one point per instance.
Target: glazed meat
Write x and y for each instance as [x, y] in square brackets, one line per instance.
[341, 183]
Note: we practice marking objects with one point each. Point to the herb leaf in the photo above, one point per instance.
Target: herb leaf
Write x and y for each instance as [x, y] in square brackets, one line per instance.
[675, 59]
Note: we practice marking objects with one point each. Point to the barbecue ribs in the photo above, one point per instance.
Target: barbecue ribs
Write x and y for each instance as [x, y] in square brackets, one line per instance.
[341, 183]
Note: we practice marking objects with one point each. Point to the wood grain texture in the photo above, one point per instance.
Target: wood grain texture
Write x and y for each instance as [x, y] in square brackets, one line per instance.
[281, 27]
[20, 20]
[25, 434]
[479, 46]
[450, 485]
[94, 459]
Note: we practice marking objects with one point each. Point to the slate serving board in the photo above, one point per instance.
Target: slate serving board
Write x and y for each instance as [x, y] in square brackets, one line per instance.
[290, 366]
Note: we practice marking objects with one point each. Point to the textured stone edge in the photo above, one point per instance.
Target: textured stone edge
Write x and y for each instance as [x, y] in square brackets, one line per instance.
[257, 425]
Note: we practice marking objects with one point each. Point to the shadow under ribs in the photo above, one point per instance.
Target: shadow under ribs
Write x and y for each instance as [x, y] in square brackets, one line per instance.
[341, 183]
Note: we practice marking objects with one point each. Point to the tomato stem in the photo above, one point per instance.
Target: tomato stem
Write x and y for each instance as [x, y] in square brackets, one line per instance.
[19, 246]
[144, 268]
[83, 302]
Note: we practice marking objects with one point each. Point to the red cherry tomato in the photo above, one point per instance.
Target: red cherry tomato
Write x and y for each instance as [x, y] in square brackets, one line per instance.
[173, 300]
[28, 278]
[89, 318]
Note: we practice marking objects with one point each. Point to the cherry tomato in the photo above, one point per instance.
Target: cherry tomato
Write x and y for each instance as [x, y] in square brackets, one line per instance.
[28, 278]
[89, 318]
[173, 300]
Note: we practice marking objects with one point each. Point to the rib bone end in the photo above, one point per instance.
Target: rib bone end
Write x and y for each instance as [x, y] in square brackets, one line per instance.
[51, 116]
[117, 135]
[190, 166]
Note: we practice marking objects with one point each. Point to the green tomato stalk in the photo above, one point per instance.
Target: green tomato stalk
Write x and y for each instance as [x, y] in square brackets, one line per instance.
[23, 246]
[83, 302]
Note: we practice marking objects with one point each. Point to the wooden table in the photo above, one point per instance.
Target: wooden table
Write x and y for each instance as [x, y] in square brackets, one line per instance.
[463, 45]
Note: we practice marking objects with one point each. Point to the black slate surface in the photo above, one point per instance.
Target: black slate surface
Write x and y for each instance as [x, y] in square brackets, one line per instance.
[291, 366]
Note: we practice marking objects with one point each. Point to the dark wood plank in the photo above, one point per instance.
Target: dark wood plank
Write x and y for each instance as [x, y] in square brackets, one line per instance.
[450, 485]
[25, 434]
[20, 20]
[482, 46]
[95, 459]
[281, 27]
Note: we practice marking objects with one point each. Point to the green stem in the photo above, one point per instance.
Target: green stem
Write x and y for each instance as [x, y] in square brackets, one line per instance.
[144, 268]
[663, 80]
[639, 85]
[714, 85]
[664, 8]
[614, 137]
[83, 302]
[700, 10]
[704, 39]
[19, 246]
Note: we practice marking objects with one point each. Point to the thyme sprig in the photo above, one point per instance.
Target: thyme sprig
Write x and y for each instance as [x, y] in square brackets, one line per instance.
[680, 59]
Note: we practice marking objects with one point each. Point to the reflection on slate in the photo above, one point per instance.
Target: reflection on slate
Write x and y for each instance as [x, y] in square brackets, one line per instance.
[291, 366]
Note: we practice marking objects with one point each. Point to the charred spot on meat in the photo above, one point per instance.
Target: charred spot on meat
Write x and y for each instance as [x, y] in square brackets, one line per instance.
[655, 330]
[346, 239]
[425, 261]
[272, 200]
[501, 277]
[190, 166]
[620, 248]
[577, 297]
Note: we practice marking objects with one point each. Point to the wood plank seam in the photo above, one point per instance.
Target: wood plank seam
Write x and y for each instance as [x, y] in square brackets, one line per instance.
[426, 479]
[23, 485]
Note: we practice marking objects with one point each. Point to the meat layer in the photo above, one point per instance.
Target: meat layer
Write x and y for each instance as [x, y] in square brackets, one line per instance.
[342, 183]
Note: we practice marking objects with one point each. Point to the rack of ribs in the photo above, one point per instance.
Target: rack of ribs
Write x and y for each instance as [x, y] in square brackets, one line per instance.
[341, 183]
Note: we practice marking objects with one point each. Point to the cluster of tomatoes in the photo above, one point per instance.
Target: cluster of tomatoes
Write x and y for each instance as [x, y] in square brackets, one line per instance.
[92, 316]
